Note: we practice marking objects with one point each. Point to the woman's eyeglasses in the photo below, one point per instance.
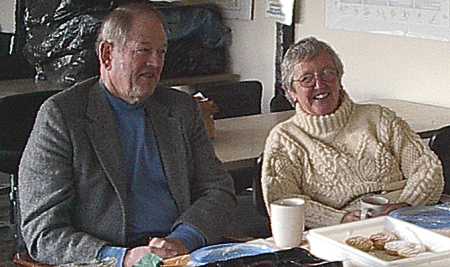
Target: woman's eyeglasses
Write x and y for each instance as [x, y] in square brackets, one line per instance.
[310, 79]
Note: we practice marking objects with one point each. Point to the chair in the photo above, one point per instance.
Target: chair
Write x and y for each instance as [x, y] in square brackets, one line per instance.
[250, 219]
[5, 43]
[440, 144]
[279, 102]
[12, 65]
[258, 199]
[24, 260]
[234, 98]
[17, 115]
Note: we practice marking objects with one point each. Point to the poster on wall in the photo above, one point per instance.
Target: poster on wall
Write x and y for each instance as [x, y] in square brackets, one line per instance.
[429, 19]
[235, 9]
[281, 10]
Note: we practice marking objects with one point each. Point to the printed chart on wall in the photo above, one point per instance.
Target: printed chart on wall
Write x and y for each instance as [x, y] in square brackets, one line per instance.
[280, 10]
[429, 19]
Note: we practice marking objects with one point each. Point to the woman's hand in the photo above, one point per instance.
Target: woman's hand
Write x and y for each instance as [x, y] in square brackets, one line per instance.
[352, 216]
[388, 208]
[356, 214]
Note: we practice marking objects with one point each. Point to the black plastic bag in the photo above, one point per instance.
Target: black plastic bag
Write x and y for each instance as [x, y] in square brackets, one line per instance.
[61, 34]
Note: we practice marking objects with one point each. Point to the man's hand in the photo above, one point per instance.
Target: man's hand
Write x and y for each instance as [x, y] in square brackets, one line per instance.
[167, 248]
[163, 247]
[134, 255]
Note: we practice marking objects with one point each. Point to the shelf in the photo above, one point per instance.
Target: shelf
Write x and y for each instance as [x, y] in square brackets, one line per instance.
[188, 81]
[20, 86]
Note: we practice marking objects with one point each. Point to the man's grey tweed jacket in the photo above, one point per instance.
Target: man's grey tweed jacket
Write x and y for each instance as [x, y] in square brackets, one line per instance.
[72, 183]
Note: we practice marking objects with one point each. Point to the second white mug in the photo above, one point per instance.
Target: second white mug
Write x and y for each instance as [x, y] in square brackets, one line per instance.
[372, 205]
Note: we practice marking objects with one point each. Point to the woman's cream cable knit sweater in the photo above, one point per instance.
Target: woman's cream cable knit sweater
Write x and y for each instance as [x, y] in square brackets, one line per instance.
[332, 160]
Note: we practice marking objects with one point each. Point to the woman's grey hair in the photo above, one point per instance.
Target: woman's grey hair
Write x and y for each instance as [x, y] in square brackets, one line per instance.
[117, 24]
[305, 50]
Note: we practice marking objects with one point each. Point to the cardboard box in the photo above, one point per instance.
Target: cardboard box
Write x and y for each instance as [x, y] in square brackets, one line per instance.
[329, 243]
[208, 108]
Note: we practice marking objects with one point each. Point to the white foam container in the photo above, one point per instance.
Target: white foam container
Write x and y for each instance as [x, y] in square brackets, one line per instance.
[329, 243]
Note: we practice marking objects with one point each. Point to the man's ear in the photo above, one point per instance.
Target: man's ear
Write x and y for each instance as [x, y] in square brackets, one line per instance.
[105, 54]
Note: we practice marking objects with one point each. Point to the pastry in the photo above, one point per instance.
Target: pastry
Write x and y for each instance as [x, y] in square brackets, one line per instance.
[381, 238]
[404, 248]
[412, 250]
[360, 242]
[392, 247]
[178, 261]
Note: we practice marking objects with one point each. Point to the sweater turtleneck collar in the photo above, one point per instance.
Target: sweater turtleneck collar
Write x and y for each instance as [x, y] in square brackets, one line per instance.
[323, 125]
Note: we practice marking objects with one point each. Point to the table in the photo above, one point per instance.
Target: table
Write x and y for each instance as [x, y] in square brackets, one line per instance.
[240, 141]
[425, 119]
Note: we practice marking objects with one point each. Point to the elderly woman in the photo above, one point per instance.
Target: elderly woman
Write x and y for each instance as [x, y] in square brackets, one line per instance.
[333, 151]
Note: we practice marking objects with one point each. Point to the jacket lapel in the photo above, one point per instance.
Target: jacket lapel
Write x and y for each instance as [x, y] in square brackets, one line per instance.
[168, 134]
[104, 135]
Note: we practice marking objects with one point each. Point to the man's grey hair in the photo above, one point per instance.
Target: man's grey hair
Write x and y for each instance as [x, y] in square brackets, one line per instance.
[117, 24]
[302, 51]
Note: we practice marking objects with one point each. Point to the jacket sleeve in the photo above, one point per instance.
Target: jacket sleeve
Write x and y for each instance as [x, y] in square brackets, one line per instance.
[282, 177]
[46, 194]
[213, 198]
[419, 165]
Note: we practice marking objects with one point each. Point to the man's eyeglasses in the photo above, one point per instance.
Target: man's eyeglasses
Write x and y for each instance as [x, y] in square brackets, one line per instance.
[309, 79]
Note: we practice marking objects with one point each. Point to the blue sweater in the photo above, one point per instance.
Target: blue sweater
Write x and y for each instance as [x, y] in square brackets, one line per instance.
[152, 208]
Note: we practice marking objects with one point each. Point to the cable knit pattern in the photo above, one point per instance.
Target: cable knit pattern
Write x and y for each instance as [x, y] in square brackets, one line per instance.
[332, 160]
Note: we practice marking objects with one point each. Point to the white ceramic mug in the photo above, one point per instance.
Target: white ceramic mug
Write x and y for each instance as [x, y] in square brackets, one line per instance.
[287, 219]
[373, 204]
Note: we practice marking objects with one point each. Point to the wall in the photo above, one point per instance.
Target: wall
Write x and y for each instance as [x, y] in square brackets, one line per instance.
[383, 66]
[376, 66]
[253, 50]
[7, 23]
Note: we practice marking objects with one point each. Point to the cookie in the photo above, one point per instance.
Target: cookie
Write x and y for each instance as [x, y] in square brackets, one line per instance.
[412, 250]
[404, 248]
[381, 238]
[360, 242]
[392, 247]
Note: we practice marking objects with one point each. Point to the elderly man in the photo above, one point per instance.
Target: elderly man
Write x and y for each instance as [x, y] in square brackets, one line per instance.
[119, 167]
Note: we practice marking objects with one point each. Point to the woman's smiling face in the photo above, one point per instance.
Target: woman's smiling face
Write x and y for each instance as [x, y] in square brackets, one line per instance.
[316, 85]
